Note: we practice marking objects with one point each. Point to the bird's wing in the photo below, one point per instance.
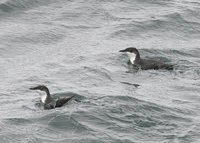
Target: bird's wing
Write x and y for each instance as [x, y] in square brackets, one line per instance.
[62, 101]
[151, 64]
[50, 105]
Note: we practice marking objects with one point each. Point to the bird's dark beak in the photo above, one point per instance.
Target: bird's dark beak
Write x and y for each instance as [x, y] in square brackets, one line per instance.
[122, 51]
[33, 88]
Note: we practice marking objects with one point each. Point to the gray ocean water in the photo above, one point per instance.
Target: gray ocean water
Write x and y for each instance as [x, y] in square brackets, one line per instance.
[72, 46]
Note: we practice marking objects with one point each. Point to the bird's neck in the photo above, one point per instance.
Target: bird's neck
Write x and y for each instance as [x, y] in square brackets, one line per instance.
[46, 98]
[134, 57]
[48, 93]
[137, 56]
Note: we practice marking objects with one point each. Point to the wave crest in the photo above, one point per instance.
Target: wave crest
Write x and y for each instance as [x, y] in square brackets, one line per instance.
[9, 6]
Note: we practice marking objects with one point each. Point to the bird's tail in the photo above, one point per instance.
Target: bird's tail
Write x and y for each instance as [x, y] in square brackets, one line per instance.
[169, 67]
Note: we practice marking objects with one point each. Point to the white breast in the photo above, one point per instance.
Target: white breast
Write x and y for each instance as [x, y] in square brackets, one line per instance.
[132, 57]
[43, 98]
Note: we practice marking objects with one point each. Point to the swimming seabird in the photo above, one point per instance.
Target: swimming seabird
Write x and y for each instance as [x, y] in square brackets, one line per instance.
[48, 101]
[144, 64]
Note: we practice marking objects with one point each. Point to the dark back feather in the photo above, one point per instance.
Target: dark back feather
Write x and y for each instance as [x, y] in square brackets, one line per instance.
[62, 101]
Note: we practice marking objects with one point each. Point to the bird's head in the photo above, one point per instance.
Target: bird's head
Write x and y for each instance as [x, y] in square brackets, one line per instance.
[132, 52]
[39, 87]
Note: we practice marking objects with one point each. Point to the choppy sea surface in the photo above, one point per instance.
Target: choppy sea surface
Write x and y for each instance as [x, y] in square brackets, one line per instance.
[72, 46]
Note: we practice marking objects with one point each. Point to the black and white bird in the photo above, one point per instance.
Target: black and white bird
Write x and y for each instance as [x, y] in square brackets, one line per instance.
[144, 64]
[48, 101]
